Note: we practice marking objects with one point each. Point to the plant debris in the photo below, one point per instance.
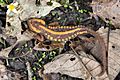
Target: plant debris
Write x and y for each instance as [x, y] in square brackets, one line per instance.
[89, 44]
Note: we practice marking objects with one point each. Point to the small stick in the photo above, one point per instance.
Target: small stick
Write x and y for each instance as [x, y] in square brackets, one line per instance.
[75, 53]
[29, 71]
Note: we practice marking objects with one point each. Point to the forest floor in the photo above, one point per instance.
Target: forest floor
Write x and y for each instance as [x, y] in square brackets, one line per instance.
[27, 54]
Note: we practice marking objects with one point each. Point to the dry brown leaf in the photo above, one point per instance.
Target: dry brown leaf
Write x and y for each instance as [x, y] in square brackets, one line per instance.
[69, 64]
[114, 52]
[106, 10]
[6, 74]
[109, 10]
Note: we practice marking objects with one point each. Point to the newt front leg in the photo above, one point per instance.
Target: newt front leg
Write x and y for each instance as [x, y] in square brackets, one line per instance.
[42, 47]
[46, 45]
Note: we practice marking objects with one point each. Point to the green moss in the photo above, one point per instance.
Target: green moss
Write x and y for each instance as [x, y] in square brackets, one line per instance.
[81, 11]
[34, 78]
[65, 6]
[40, 60]
[38, 64]
[34, 68]
[43, 55]
[2, 2]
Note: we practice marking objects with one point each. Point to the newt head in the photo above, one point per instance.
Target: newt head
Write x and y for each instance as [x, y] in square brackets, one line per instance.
[35, 24]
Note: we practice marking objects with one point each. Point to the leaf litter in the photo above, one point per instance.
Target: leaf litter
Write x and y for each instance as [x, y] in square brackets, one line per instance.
[64, 63]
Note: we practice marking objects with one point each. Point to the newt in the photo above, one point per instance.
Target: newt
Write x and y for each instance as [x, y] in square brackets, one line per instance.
[38, 26]
[66, 33]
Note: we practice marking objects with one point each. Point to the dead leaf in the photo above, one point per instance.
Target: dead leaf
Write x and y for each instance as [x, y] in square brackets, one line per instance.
[109, 11]
[69, 64]
[113, 52]
[8, 75]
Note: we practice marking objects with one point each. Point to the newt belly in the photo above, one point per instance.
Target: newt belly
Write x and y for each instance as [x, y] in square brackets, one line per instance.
[65, 34]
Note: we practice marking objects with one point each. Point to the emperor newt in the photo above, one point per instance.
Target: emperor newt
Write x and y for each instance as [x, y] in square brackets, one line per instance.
[65, 33]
